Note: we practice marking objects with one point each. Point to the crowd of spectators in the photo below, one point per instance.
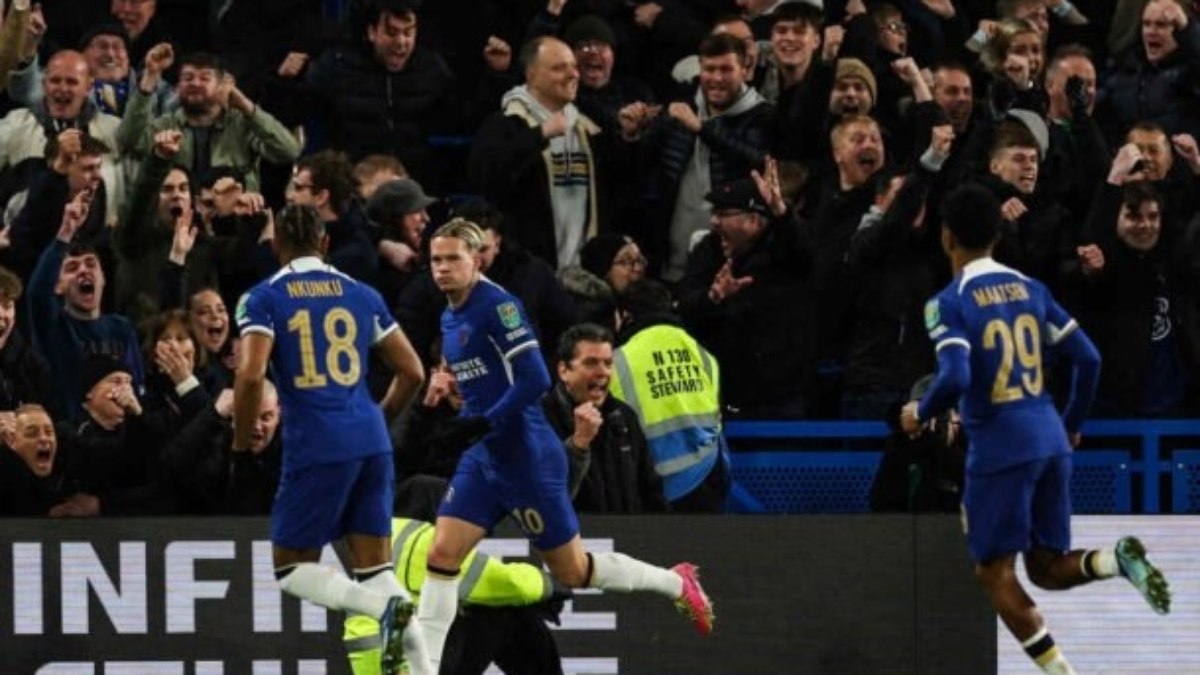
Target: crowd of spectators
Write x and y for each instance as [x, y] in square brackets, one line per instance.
[777, 164]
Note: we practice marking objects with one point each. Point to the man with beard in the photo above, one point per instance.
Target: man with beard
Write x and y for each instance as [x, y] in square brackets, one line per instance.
[66, 330]
[106, 49]
[723, 132]
[754, 259]
[220, 125]
[325, 181]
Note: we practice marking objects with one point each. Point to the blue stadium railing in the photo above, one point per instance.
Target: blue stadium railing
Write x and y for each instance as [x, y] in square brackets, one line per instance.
[1126, 466]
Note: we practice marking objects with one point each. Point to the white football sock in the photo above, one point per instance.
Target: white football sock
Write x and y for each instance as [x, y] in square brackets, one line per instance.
[384, 582]
[326, 587]
[435, 613]
[620, 573]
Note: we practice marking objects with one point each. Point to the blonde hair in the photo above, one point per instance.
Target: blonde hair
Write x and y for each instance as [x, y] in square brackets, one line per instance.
[465, 231]
[995, 52]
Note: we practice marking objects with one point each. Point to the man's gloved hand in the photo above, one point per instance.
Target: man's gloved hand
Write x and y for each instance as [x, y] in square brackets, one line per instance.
[550, 608]
[462, 432]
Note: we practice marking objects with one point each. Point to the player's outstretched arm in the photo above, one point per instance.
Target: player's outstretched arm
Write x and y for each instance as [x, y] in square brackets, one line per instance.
[407, 373]
[248, 386]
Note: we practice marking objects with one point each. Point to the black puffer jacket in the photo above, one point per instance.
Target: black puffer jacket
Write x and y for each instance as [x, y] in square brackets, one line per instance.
[1166, 93]
[737, 144]
[371, 110]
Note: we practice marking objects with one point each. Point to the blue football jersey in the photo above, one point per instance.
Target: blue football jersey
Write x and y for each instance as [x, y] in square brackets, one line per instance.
[1006, 321]
[323, 324]
[478, 341]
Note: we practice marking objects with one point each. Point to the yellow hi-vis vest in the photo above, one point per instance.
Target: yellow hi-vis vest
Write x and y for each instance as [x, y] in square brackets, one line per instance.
[674, 385]
[484, 580]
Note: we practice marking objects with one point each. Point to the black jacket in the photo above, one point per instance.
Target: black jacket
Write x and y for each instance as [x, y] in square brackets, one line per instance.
[1120, 309]
[893, 264]
[763, 336]
[25, 377]
[206, 478]
[838, 213]
[507, 166]
[1164, 93]
[1037, 242]
[37, 223]
[615, 474]
[119, 466]
[371, 110]
[25, 494]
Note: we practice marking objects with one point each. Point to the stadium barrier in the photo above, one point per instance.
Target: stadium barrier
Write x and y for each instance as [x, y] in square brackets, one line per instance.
[1126, 466]
[828, 595]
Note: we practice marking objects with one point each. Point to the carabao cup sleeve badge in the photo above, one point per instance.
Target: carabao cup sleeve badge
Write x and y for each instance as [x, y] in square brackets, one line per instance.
[509, 315]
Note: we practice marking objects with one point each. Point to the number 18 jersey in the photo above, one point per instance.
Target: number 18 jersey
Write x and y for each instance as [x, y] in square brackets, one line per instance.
[323, 324]
[1005, 321]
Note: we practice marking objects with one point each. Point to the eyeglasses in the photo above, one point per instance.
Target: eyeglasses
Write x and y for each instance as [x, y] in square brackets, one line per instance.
[300, 187]
[591, 47]
[896, 27]
[639, 261]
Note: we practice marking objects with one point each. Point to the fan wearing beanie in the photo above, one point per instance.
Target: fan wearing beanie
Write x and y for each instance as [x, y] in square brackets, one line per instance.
[107, 385]
[608, 264]
[854, 89]
[614, 258]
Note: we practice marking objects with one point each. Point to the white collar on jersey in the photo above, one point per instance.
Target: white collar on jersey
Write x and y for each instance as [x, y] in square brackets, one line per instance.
[308, 263]
[982, 266]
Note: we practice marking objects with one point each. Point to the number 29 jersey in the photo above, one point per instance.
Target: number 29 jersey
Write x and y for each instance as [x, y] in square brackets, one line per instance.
[1005, 321]
[323, 324]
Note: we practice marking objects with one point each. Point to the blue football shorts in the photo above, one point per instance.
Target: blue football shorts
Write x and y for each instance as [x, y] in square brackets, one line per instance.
[1018, 509]
[527, 483]
[320, 503]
